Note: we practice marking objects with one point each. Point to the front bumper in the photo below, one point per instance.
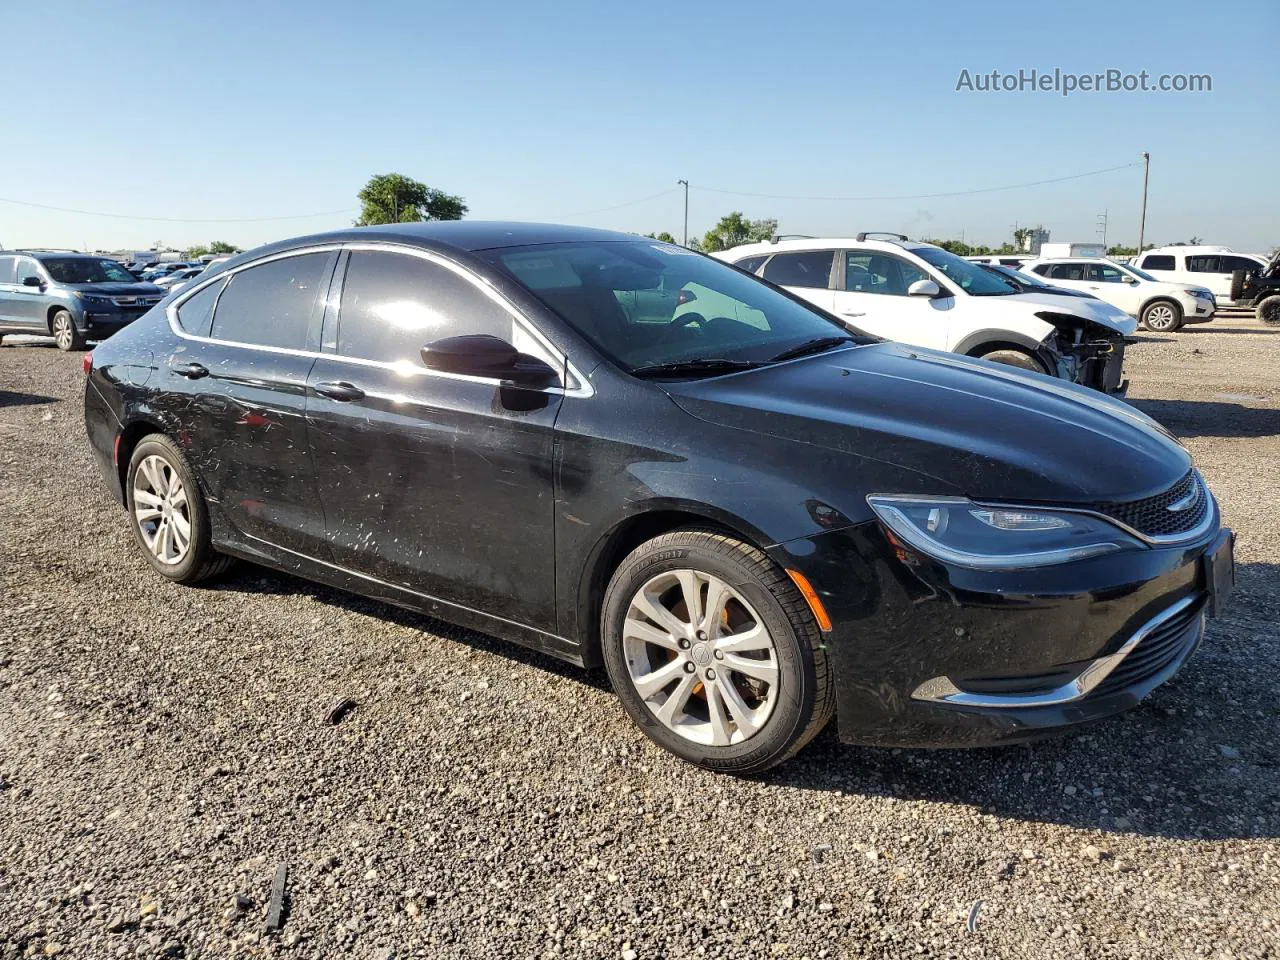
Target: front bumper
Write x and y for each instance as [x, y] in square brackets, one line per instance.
[97, 324]
[927, 655]
[1198, 311]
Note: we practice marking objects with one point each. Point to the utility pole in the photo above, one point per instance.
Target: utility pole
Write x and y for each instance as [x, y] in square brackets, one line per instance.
[1101, 224]
[685, 184]
[1146, 171]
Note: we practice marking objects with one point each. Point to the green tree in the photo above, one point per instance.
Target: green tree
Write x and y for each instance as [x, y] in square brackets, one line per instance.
[663, 237]
[221, 246]
[196, 252]
[734, 230]
[1022, 238]
[958, 247]
[395, 198]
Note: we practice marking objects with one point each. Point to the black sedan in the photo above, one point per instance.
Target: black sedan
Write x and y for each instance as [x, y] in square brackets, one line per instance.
[624, 453]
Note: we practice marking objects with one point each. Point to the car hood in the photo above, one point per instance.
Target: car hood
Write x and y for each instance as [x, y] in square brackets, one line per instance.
[983, 429]
[1097, 311]
[118, 289]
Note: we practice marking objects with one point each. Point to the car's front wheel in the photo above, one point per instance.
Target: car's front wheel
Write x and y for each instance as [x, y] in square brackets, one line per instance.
[65, 334]
[1162, 316]
[1268, 311]
[168, 514]
[1014, 358]
[714, 652]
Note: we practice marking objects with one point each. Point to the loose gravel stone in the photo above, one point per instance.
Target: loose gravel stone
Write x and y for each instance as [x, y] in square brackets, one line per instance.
[185, 755]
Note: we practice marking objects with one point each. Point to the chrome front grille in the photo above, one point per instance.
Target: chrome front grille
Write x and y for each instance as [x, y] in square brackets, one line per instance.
[1180, 509]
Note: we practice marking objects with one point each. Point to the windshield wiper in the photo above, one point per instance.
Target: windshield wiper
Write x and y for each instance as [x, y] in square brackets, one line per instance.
[810, 346]
[708, 366]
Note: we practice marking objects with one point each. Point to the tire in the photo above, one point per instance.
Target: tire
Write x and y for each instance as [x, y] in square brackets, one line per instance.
[63, 327]
[1015, 358]
[155, 463]
[1162, 316]
[1268, 311]
[761, 722]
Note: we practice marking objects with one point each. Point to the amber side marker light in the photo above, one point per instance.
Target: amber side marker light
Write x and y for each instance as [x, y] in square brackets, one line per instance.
[811, 597]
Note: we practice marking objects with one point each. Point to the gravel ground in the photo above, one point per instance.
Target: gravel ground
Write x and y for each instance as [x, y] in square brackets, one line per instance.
[163, 749]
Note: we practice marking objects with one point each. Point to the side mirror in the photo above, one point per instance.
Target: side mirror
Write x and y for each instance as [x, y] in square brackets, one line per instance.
[924, 288]
[482, 355]
[1131, 281]
[32, 282]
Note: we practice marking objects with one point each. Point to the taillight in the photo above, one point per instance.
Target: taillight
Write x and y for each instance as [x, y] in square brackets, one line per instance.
[86, 364]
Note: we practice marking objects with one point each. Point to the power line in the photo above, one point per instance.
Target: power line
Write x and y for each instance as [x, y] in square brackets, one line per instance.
[924, 196]
[126, 216]
[617, 206]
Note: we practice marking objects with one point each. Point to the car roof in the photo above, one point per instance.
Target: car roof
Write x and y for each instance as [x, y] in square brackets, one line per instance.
[41, 254]
[1190, 248]
[459, 235]
[824, 243]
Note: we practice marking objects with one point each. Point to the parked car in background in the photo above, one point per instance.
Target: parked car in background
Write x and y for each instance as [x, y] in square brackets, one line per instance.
[1031, 283]
[920, 294]
[752, 518]
[1015, 260]
[1260, 289]
[71, 297]
[1162, 306]
[163, 270]
[1056, 249]
[177, 276]
[1210, 267]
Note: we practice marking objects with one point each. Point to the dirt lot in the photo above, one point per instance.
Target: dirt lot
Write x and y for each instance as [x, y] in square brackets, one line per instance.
[162, 749]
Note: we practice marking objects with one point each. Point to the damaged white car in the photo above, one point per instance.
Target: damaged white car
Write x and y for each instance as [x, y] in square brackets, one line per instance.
[921, 294]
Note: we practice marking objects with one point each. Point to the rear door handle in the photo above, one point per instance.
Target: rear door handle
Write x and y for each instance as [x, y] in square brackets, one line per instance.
[192, 371]
[339, 390]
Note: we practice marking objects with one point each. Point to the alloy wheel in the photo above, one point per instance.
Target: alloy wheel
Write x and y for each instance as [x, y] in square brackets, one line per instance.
[63, 334]
[700, 658]
[1160, 317]
[161, 510]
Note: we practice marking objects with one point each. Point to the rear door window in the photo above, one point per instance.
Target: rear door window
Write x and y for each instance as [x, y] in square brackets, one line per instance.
[811, 268]
[751, 264]
[1158, 261]
[6, 269]
[276, 304]
[196, 313]
[1068, 271]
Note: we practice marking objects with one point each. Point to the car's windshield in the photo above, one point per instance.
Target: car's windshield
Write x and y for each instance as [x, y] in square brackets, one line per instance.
[970, 277]
[1136, 272]
[86, 270]
[647, 303]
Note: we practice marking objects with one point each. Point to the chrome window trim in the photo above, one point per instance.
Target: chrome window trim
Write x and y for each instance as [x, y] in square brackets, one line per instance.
[580, 387]
[944, 690]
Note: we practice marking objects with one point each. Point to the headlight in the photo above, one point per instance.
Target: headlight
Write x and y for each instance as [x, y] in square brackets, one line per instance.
[985, 537]
[92, 298]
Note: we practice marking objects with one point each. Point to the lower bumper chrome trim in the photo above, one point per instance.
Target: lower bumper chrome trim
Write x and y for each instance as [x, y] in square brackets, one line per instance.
[944, 690]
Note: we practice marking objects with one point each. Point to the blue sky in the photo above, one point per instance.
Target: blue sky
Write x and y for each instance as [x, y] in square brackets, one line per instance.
[556, 111]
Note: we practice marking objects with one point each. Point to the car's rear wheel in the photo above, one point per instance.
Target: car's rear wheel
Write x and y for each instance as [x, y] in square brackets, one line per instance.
[1014, 358]
[168, 513]
[1162, 316]
[65, 334]
[1268, 311]
[714, 652]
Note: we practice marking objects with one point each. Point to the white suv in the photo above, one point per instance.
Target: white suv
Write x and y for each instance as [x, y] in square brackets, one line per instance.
[1162, 306]
[1210, 267]
[920, 294]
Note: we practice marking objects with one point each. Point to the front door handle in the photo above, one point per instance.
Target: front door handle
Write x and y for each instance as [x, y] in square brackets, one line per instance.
[339, 390]
[192, 371]
[848, 313]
